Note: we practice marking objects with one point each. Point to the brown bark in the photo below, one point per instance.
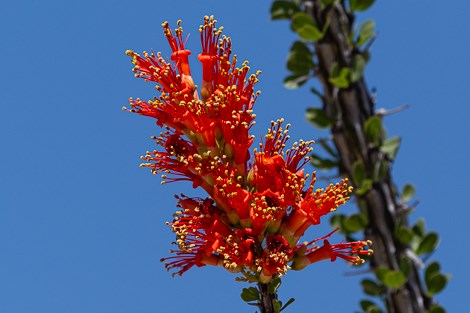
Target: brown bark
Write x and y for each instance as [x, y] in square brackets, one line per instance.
[267, 303]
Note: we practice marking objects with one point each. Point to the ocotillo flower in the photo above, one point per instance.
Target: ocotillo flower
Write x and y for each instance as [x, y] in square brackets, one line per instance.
[259, 204]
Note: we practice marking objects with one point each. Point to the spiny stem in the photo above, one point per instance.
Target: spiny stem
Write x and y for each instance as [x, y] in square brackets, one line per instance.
[266, 302]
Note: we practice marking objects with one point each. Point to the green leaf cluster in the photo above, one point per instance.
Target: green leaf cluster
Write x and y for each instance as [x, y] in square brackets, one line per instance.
[349, 224]
[252, 296]
[435, 280]
[342, 77]
[284, 9]
[304, 25]
[421, 241]
[318, 118]
[300, 64]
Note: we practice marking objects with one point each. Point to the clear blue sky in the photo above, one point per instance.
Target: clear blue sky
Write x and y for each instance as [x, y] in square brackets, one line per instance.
[82, 227]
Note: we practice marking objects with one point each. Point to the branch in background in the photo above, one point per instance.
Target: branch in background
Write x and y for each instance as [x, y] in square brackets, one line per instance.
[334, 53]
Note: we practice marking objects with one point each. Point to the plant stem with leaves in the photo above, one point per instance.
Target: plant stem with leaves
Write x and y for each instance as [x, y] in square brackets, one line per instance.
[330, 50]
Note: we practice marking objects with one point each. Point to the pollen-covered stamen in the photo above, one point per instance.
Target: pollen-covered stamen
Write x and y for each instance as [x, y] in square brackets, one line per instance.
[179, 162]
[308, 253]
[349, 251]
[275, 140]
[184, 261]
[200, 232]
[324, 201]
[297, 156]
[266, 212]
[238, 249]
[180, 55]
[276, 255]
[154, 68]
[312, 206]
[257, 211]
[209, 39]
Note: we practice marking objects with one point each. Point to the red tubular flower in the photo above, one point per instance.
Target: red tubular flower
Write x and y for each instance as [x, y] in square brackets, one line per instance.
[275, 257]
[209, 56]
[258, 208]
[266, 212]
[313, 206]
[349, 251]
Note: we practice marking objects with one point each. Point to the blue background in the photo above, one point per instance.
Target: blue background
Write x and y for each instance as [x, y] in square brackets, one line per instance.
[82, 228]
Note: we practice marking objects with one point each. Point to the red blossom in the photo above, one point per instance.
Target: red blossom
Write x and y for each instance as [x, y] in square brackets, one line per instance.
[258, 207]
[276, 255]
[307, 254]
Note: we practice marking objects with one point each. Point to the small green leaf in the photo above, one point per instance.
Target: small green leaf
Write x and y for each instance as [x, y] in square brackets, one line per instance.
[380, 272]
[310, 32]
[394, 279]
[328, 148]
[405, 235]
[362, 183]
[357, 69]
[300, 19]
[358, 174]
[373, 309]
[408, 192]
[405, 265]
[373, 129]
[300, 60]
[431, 270]
[295, 81]
[419, 228]
[339, 78]
[318, 118]
[380, 170]
[437, 309]
[289, 302]
[283, 10]
[250, 294]
[274, 286]
[369, 307]
[365, 187]
[366, 32]
[276, 306]
[354, 223]
[428, 243]
[322, 163]
[337, 220]
[437, 283]
[365, 304]
[316, 92]
[360, 5]
[371, 288]
[390, 278]
[390, 146]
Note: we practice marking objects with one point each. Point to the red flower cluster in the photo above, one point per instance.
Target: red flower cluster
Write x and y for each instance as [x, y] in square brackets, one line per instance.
[258, 208]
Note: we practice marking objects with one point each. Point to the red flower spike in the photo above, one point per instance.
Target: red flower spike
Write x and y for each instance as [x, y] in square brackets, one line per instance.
[257, 210]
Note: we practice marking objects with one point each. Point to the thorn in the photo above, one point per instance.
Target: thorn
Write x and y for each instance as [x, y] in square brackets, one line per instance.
[382, 112]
